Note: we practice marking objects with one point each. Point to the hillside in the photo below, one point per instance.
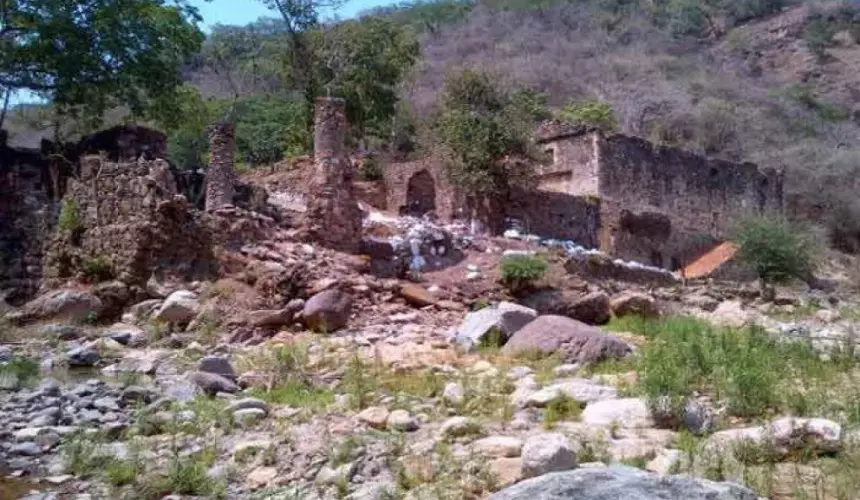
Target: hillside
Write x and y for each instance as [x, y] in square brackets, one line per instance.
[763, 88]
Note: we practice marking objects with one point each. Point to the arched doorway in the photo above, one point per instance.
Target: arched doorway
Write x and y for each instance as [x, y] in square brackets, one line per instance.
[420, 194]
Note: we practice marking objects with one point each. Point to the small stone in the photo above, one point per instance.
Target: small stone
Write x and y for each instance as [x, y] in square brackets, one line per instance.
[374, 416]
[458, 426]
[546, 453]
[83, 356]
[212, 384]
[401, 420]
[506, 471]
[498, 446]
[261, 477]
[247, 403]
[249, 417]
[454, 394]
[217, 365]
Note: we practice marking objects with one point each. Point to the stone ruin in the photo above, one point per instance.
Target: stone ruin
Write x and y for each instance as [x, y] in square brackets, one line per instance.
[333, 217]
[221, 177]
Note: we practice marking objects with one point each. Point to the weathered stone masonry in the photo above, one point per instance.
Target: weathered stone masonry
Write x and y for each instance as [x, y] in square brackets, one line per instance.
[221, 178]
[333, 217]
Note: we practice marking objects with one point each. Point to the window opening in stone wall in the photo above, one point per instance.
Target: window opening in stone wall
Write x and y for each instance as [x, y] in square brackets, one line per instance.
[656, 259]
[674, 263]
[420, 194]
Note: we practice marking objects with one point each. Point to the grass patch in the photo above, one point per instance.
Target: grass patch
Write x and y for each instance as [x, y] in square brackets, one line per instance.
[560, 409]
[752, 372]
[19, 371]
[296, 394]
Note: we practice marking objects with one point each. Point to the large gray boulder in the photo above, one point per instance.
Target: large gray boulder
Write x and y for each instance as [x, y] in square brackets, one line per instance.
[576, 341]
[545, 453]
[328, 311]
[505, 319]
[620, 482]
[592, 308]
[72, 305]
[180, 307]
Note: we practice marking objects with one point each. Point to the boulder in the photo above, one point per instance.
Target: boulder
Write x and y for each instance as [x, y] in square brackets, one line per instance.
[630, 413]
[592, 309]
[545, 453]
[218, 365]
[83, 356]
[782, 436]
[127, 335]
[72, 305]
[581, 390]
[328, 311]
[417, 296]
[622, 483]
[143, 310]
[211, 383]
[180, 307]
[498, 446]
[271, 318]
[504, 319]
[634, 304]
[730, 313]
[62, 332]
[576, 341]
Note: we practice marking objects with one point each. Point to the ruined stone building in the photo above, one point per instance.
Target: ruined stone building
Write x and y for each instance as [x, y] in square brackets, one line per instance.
[624, 195]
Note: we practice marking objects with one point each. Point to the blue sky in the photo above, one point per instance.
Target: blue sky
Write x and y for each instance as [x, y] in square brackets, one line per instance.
[245, 11]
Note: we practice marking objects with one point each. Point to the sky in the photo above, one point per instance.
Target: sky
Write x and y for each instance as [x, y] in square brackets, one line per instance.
[246, 11]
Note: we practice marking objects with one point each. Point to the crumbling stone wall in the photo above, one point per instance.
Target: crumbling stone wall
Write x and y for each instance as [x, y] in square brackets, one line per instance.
[556, 215]
[658, 205]
[132, 219]
[28, 213]
[221, 177]
[125, 143]
[398, 177]
[333, 217]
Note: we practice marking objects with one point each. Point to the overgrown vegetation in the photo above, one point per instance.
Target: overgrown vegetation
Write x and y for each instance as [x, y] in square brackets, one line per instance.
[775, 248]
[70, 219]
[97, 269]
[522, 271]
[751, 372]
[589, 113]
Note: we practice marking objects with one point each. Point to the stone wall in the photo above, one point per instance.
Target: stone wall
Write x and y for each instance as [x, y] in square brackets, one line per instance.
[556, 215]
[400, 177]
[28, 211]
[131, 219]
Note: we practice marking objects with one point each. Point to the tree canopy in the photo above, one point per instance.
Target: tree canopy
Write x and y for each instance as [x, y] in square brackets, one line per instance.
[87, 57]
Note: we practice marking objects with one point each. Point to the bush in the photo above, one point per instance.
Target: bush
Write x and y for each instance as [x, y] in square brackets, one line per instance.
[98, 269]
[775, 248]
[521, 271]
[370, 170]
[590, 113]
[70, 217]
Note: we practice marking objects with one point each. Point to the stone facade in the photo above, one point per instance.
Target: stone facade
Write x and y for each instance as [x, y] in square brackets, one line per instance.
[221, 177]
[333, 217]
[420, 187]
[658, 205]
[132, 219]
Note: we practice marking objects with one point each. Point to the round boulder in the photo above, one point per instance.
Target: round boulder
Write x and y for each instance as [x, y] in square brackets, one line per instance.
[328, 311]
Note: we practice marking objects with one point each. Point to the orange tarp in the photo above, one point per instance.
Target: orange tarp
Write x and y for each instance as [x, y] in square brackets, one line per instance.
[711, 261]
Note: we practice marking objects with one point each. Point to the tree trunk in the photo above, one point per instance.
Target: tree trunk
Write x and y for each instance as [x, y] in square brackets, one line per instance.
[7, 94]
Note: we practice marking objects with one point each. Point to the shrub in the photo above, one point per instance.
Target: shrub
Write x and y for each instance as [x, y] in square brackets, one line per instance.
[371, 170]
[778, 250]
[98, 269]
[70, 217]
[590, 113]
[521, 271]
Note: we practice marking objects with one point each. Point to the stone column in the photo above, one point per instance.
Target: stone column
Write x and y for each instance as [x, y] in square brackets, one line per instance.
[333, 218]
[221, 178]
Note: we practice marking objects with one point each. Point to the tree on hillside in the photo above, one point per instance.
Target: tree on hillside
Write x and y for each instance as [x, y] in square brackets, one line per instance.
[363, 61]
[87, 57]
[479, 125]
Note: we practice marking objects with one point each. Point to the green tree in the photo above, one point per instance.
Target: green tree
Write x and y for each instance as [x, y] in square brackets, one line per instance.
[363, 61]
[590, 113]
[479, 125]
[88, 57]
[270, 127]
[775, 248]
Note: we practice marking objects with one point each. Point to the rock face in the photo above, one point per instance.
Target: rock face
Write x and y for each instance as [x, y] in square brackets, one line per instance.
[328, 311]
[333, 217]
[577, 341]
[621, 483]
[71, 305]
[631, 303]
[547, 453]
[505, 319]
[180, 307]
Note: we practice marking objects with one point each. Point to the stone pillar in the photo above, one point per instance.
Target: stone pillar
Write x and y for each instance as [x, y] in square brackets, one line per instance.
[333, 218]
[221, 178]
